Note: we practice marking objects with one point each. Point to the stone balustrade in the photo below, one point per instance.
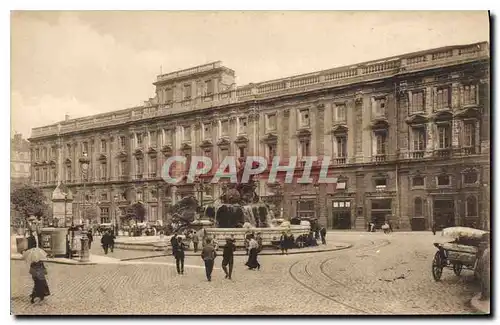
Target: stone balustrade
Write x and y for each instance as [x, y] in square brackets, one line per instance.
[316, 80]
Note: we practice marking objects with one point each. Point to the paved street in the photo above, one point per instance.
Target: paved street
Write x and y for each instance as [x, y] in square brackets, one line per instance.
[388, 274]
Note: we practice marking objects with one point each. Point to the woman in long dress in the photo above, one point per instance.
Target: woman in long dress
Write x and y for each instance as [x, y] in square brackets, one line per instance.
[253, 246]
[40, 285]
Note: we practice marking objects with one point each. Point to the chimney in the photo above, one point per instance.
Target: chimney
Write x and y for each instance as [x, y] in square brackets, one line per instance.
[66, 118]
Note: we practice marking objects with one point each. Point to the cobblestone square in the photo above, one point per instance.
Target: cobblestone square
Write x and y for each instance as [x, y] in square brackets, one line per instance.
[379, 274]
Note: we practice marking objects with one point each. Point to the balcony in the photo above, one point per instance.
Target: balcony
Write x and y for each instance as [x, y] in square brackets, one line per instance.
[152, 175]
[469, 151]
[123, 177]
[418, 154]
[340, 161]
[379, 158]
[443, 152]
[139, 176]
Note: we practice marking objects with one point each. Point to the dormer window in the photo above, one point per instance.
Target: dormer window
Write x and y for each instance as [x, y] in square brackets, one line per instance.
[169, 95]
[187, 92]
[209, 87]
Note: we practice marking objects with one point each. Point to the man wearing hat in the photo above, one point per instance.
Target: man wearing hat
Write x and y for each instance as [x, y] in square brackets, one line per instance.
[228, 257]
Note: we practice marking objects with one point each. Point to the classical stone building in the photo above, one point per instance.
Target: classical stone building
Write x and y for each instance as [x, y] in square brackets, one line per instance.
[408, 138]
[19, 160]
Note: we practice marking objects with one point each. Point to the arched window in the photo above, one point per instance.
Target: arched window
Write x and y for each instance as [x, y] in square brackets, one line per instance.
[418, 208]
[471, 206]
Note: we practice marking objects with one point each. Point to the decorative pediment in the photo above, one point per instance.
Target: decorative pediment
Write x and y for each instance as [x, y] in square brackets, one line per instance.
[102, 157]
[138, 152]
[185, 146]
[270, 138]
[68, 161]
[241, 139]
[470, 170]
[380, 175]
[442, 116]
[303, 133]
[206, 144]
[379, 124]
[223, 142]
[339, 129]
[122, 155]
[166, 150]
[38, 163]
[416, 119]
[468, 112]
[152, 151]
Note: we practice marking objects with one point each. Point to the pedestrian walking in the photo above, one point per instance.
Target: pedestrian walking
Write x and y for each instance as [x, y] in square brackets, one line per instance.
[284, 243]
[434, 228]
[259, 242]
[90, 237]
[196, 240]
[40, 285]
[323, 235]
[112, 241]
[179, 255]
[106, 242]
[174, 242]
[253, 262]
[208, 254]
[228, 257]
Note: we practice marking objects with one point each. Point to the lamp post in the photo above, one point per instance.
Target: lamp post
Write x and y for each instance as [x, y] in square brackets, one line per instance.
[84, 254]
[200, 189]
[316, 187]
[115, 214]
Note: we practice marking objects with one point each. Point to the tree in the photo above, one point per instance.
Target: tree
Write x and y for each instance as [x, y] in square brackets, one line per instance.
[136, 212]
[29, 201]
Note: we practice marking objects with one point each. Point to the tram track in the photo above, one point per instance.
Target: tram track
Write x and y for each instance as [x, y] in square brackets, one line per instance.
[360, 249]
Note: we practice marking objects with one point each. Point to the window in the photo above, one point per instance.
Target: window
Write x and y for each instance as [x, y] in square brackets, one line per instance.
[224, 125]
[68, 150]
[418, 139]
[52, 152]
[104, 196]
[380, 107]
[470, 95]
[123, 142]
[305, 148]
[68, 173]
[139, 196]
[417, 101]
[471, 206]
[123, 168]
[37, 154]
[85, 147]
[152, 138]
[443, 180]
[380, 183]
[209, 87]
[380, 142]
[242, 125]
[271, 152]
[242, 151]
[169, 95]
[341, 146]
[340, 115]
[45, 175]
[469, 135]
[186, 134]
[152, 166]
[103, 170]
[443, 98]
[418, 207]
[418, 181]
[53, 174]
[44, 153]
[304, 117]
[154, 214]
[470, 177]
[139, 167]
[138, 137]
[188, 160]
[444, 136]
[105, 215]
[306, 209]
[167, 137]
[187, 92]
[207, 131]
[271, 122]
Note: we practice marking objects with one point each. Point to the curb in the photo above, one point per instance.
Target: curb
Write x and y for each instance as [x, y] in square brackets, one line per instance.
[241, 253]
[58, 261]
[481, 306]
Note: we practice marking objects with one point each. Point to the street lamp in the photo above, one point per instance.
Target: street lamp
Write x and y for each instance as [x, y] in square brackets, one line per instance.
[115, 200]
[84, 162]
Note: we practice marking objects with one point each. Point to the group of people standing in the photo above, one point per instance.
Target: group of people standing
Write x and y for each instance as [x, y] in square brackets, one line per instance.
[107, 241]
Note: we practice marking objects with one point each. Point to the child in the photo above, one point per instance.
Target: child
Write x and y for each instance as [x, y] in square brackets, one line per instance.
[40, 288]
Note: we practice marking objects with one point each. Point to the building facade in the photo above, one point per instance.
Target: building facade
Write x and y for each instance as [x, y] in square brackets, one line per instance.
[20, 160]
[408, 139]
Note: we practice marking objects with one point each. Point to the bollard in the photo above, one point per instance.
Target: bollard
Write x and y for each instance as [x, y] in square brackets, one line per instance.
[84, 253]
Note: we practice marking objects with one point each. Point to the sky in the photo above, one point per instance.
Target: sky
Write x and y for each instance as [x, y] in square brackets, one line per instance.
[84, 63]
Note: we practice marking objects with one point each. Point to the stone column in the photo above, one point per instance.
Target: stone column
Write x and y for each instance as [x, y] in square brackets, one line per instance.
[286, 133]
[320, 131]
[367, 134]
[455, 134]
[430, 131]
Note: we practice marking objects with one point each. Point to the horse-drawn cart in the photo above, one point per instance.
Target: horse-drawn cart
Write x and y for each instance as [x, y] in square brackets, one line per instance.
[462, 252]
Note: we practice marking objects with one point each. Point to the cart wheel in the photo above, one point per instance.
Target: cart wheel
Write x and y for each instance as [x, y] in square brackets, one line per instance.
[457, 268]
[437, 267]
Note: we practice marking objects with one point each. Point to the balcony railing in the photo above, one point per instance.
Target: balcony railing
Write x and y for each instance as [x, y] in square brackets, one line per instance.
[469, 150]
[152, 175]
[379, 158]
[443, 152]
[419, 154]
[340, 161]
